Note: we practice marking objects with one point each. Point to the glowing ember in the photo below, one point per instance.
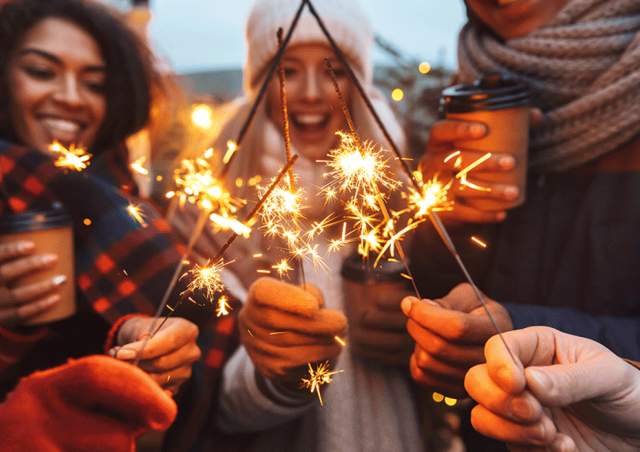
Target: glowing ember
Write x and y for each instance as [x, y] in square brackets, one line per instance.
[196, 183]
[72, 158]
[138, 167]
[136, 213]
[318, 377]
[223, 306]
[207, 278]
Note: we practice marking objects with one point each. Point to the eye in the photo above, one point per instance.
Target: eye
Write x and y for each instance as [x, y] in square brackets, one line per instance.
[290, 71]
[39, 72]
[96, 87]
[339, 72]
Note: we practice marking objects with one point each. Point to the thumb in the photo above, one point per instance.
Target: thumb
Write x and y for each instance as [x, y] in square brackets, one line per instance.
[563, 384]
[276, 294]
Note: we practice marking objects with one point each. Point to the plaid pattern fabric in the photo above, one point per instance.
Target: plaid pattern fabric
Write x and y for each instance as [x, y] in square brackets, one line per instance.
[122, 266]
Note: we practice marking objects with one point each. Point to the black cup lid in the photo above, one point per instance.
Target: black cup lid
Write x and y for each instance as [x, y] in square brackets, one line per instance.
[491, 91]
[360, 269]
[31, 220]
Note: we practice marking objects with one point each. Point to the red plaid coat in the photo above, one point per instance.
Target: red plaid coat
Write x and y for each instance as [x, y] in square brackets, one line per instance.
[122, 266]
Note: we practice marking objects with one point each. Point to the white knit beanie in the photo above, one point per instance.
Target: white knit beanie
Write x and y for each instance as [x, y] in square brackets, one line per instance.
[346, 21]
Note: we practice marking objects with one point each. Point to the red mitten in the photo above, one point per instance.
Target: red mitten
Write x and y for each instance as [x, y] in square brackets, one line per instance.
[92, 404]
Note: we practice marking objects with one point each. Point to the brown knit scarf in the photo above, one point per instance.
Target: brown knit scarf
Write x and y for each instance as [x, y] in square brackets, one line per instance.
[583, 69]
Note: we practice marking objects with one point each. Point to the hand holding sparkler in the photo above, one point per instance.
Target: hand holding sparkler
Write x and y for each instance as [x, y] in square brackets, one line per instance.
[167, 356]
[284, 327]
[450, 334]
[444, 161]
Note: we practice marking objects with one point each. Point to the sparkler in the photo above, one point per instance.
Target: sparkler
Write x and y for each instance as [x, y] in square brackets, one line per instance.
[216, 261]
[369, 174]
[318, 377]
[432, 213]
[73, 158]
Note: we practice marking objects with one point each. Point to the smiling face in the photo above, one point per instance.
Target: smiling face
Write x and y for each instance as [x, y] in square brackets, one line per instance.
[315, 111]
[514, 18]
[56, 80]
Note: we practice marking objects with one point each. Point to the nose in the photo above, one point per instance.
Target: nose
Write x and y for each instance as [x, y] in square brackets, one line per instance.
[68, 91]
[313, 87]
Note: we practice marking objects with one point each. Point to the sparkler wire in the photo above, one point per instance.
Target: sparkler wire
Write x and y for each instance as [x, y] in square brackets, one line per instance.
[216, 258]
[287, 144]
[434, 217]
[379, 199]
[263, 88]
[364, 95]
[447, 240]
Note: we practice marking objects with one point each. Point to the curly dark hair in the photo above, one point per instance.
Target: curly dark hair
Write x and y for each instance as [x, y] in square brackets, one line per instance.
[130, 74]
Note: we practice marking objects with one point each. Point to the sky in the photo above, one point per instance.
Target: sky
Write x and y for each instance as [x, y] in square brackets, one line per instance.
[199, 35]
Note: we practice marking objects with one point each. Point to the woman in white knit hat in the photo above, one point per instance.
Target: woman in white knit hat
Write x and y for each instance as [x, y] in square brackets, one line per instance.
[368, 407]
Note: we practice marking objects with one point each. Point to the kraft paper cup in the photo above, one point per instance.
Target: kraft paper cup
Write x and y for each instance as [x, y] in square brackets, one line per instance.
[51, 231]
[503, 106]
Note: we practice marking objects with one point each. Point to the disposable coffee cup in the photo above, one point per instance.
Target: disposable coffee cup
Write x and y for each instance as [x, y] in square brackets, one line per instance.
[363, 284]
[502, 104]
[51, 230]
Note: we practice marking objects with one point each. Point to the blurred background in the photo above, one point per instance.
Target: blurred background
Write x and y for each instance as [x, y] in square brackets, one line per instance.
[202, 41]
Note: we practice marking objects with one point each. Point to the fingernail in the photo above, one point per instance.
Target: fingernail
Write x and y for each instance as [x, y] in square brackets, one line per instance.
[49, 258]
[477, 130]
[540, 378]
[23, 247]
[406, 306]
[125, 354]
[53, 299]
[59, 280]
[504, 375]
[511, 192]
[520, 409]
[507, 162]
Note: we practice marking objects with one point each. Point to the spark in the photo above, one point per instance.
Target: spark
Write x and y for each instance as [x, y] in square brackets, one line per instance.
[196, 184]
[223, 306]
[232, 147]
[72, 158]
[137, 166]
[206, 278]
[318, 377]
[357, 169]
[136, 213]
[339, 340]
[479, 242]
[282, 267]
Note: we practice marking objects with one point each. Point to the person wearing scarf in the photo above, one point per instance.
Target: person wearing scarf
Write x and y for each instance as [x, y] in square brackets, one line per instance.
[122, 265]
[569, 257]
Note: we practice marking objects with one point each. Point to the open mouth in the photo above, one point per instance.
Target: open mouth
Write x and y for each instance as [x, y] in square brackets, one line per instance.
[310, 122]
[63, 130]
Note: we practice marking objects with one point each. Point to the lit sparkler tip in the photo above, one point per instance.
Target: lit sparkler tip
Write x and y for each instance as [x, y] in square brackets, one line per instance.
[136, 213]
[72, 158]
[207, 278]
[318, 377]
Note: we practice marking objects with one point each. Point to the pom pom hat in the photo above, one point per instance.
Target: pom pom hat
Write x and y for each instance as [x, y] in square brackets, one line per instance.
[345, 20]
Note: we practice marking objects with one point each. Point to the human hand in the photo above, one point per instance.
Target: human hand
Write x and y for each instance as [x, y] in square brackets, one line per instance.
[20, 302]
[93, 404]
[449, 136]
[167, 357]
[450, 334]
[565, 393]
[378, 327]
[284, 327]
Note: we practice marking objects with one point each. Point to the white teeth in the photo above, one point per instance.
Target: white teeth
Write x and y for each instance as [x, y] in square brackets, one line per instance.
[62, 125]
[310, 120]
